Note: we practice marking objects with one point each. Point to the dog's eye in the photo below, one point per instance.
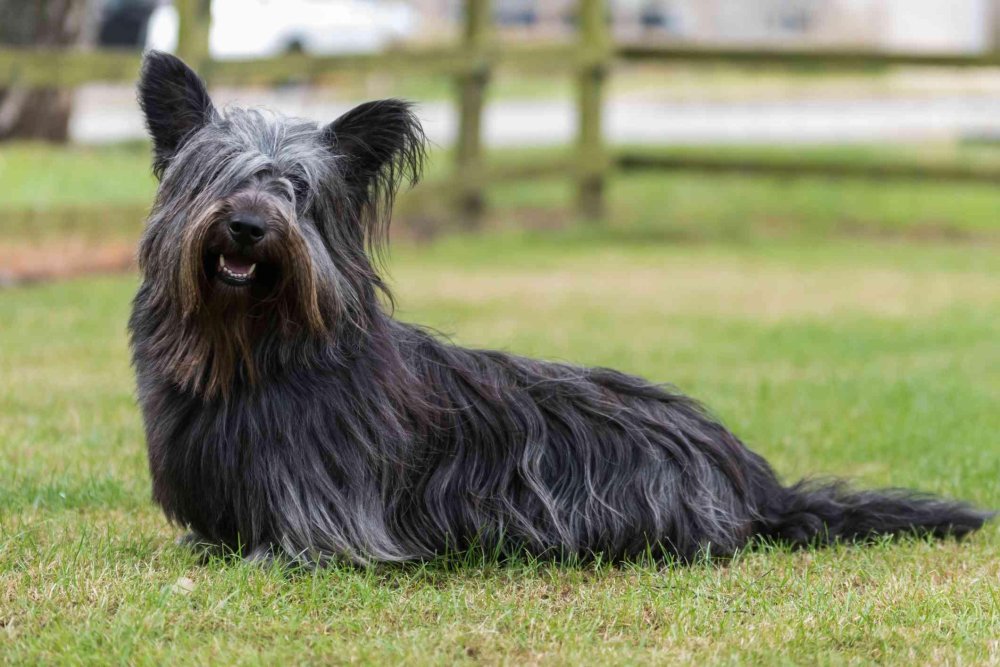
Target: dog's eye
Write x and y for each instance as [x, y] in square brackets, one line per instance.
[300, 189]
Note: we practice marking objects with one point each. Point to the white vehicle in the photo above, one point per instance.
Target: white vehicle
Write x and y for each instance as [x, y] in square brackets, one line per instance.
[262, 28]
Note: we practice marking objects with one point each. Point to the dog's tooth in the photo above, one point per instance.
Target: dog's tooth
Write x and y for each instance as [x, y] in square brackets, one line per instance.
[222, 261]
[253, 267]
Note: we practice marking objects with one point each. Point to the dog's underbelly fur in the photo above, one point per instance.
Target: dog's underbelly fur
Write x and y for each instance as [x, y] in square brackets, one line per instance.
[502, 453]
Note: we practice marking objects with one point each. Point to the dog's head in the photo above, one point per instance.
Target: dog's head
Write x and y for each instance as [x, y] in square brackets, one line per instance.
[264, 227]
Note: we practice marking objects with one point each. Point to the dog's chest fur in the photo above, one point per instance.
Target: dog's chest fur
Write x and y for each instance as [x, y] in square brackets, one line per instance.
[277, 464]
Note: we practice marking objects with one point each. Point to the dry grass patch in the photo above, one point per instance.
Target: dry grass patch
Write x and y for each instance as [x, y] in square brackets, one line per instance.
[730, 287]
[54, 259]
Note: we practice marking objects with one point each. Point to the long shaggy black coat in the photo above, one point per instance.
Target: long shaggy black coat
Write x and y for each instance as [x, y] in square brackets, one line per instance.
[287, 412]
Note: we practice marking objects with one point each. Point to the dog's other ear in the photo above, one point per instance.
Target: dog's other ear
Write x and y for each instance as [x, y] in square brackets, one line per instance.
[175, 102]
[382, 145]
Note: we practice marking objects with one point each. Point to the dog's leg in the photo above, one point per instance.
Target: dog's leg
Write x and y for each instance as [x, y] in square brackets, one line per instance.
[194, 540]
[262, 555]
[204, 548]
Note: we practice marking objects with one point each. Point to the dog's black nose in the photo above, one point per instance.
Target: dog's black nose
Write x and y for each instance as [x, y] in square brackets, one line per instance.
[247, 228]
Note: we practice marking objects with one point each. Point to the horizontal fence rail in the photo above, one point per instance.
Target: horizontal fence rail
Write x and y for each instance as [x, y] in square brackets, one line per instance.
[65, 68]
[644, 160]
[787, 57]
[471, 63]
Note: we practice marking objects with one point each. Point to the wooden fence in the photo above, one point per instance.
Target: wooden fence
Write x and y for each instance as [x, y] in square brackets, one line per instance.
[471, 64]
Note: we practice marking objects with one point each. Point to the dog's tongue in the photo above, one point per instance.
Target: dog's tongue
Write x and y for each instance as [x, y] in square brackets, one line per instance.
[238, 264]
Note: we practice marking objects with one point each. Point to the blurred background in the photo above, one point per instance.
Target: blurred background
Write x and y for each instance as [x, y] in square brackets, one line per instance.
[659, 119]
[786, 208]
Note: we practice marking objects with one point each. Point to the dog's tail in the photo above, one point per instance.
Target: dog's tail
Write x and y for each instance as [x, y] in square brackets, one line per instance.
[811, 513]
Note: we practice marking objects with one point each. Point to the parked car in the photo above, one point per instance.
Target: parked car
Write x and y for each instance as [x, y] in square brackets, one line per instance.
[658, 15]
[515, 12]
[123, 23]
[262, 28]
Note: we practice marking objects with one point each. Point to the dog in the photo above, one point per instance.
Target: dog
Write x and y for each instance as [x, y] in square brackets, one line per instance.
[288, 414]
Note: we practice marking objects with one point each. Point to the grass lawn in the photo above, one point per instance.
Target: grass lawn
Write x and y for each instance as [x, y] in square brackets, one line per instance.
[865, 358]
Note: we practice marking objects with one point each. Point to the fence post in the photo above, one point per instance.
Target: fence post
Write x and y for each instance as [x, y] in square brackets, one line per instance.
[472, 99]
[592, 160]
[995, 33]
[192, 32]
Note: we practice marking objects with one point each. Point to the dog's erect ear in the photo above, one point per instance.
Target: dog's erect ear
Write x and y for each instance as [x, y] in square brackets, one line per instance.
[381, 145]
[175, 102]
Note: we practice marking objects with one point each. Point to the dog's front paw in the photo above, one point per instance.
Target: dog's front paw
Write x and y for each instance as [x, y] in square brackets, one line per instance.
[263, 555]
[200, 545]
[190, 539]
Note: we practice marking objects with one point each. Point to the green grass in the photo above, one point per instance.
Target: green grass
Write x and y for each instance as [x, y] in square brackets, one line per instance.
[869, 359]
[39, 176]
[105, 193]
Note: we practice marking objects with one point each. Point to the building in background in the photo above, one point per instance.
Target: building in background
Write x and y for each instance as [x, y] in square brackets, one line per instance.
[266, 28]
[913, 25]
[955, 26]
[940, 25]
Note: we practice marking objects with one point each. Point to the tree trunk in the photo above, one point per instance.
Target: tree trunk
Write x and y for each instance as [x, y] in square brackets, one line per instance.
[39, 113]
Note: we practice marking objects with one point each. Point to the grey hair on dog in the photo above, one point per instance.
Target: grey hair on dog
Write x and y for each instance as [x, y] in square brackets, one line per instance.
[287, 412]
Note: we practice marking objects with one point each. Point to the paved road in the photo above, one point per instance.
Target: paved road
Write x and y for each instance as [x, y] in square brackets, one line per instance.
[106, 114]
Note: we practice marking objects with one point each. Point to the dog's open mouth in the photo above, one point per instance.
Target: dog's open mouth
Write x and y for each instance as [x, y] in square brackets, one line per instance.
[235, 270]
